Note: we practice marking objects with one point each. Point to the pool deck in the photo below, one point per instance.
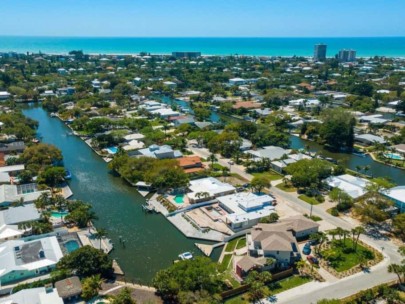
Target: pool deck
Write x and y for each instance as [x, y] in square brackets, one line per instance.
[85, 237]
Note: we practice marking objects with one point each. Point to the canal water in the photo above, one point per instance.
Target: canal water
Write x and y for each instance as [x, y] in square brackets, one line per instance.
[349, 160]
[151, 241]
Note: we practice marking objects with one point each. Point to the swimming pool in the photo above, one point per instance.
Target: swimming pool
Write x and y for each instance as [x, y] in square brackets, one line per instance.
[71, 245]
[179, 199]
[112, 150]
[393, 156]
[57, 214]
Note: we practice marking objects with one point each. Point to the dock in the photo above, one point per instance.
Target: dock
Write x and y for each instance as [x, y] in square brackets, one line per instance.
[207, 249]
[66, 192]
[117, 268]
[86, 236]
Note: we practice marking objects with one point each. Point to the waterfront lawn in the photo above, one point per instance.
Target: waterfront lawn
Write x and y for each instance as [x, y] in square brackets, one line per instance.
[286, 188]
[288, 283]
[309, 200]
[225, 261]
[230, 246]
[271, 175]
[241, 243]
[342, 258]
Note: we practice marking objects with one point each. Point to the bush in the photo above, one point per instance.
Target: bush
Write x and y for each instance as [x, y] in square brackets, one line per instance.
[320, 198]
[334, 211]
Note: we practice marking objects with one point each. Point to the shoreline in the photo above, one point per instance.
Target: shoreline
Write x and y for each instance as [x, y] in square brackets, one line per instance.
[137, 54]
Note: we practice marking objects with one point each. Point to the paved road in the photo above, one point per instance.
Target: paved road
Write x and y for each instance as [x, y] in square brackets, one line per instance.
[314, 291]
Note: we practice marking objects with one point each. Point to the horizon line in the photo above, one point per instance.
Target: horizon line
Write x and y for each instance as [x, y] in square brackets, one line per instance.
[203, 37]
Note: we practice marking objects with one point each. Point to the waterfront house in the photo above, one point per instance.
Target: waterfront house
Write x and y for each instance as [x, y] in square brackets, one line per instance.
[397, 195]
[278, 241]
[170, 84]
[191, 164]
[11, 218]
[400, 149]
[160, 152]
[210, 186]
[279, 165]
[13, 147]
[14, 193]
[164, 113]
[354, 186]
[245, 209]
[39, 295]
[368, 139]
[270, 152]
[22, 260]
[4, 95]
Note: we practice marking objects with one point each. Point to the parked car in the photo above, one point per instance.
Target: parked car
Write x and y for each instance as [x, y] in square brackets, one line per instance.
[307, 249]
[312, 259]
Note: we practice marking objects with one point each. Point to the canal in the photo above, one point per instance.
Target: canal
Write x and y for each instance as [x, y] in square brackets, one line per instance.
[151, 242]
[349, 160]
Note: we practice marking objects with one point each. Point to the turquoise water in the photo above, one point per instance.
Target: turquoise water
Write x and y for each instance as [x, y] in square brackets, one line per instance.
[112, 150]
[179, 199]
[72, 246]
[57, 214]
[387, 46]
[393, 156]
[151, 241]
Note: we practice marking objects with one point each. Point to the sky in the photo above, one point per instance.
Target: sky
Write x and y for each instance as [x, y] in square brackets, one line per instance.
[203, 18]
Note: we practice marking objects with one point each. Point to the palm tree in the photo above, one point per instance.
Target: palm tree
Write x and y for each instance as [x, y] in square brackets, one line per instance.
[366, 168]
[42, 201]
[398, 270]
[339, 232]
[358, 168]
[359, 230]
[202, 195]
[345, 233]
[18, 203]
[332, 233]
[100, 234]
[212, 158]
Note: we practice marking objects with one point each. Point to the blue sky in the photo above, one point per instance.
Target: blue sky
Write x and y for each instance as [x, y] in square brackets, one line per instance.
[203, 18]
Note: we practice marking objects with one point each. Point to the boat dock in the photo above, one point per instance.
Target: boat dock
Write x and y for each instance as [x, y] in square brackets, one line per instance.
[117, 268]
[207, 249]
[86, 237]
[66, 191]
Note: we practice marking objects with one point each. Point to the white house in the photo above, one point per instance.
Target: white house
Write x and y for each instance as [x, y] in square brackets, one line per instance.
[212, 186]
[160, 152]
[12, 193]
[40, 295]
[237, 81]
[21, 260]
[354, 186]
[4, 95]
[11, 217]
[245, 209]
[270, 152]
[397, 194]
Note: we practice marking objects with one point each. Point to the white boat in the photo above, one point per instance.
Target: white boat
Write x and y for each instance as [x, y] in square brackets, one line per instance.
[185, 256]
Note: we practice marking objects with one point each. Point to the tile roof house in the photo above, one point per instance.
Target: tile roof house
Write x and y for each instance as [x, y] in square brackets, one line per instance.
[191, 164]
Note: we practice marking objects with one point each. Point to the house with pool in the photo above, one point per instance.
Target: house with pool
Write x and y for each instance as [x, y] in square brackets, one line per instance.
[11, 218]
[21, 260]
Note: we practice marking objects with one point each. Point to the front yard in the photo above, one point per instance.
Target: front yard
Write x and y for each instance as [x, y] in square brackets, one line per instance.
[343, 256]
[269, 174]
[309, 200]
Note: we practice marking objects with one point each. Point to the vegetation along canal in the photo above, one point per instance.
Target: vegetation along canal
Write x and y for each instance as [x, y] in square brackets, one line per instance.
[151, 242]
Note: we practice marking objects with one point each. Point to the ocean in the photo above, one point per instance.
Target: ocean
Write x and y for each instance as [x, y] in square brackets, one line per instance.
[365, 47]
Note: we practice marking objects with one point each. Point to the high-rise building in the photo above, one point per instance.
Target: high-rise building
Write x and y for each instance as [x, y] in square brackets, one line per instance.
[320, 52]
[347, 55]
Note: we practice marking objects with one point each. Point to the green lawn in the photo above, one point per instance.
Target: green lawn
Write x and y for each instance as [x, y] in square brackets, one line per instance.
[342, 258]
[230, 246]
[270, 175]
[285, 188]
[288, 283]
[241, 243]
[225, 261]
[315, 218]
[276, 287]
[309, 200]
